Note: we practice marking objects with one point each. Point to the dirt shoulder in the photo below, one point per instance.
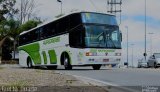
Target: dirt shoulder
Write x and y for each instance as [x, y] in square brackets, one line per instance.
[14, 78]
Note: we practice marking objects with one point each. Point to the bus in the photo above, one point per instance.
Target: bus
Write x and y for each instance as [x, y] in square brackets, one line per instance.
[77, 39]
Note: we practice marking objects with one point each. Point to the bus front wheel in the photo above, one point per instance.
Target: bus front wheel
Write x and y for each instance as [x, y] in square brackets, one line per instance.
[96, 67]
[155, 65]
[29, 62]
[66, 61]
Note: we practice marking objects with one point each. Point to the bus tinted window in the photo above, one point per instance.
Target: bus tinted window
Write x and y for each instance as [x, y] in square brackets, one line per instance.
[33, 36]
[98, 18]
[75, 20]
[76, 37]
[47, 31]
[22, 39]
[29, 37]
[62, 25]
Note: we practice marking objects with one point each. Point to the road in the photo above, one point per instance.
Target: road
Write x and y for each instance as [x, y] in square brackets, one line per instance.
[121, 77]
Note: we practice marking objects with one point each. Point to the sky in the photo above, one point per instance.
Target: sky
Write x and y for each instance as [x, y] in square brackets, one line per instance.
[133, 12]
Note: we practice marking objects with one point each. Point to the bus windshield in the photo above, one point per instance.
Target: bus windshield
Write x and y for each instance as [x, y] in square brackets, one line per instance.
[102, 36]
[97, 18]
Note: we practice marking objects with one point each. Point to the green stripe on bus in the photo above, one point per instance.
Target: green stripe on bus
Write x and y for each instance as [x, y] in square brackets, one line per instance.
[53, 57]
[44, 57]
[33, 51]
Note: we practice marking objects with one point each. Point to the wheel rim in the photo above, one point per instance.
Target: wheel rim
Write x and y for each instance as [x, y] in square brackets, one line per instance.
[65, 62]
[29, 64]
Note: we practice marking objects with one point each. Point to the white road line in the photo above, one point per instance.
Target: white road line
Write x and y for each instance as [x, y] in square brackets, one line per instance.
[101, 83]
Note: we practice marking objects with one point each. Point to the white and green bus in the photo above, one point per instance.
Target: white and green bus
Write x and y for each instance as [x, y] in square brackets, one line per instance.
[78, 39]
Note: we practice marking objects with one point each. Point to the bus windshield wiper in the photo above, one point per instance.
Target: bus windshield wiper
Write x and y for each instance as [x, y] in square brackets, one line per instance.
[100, 39]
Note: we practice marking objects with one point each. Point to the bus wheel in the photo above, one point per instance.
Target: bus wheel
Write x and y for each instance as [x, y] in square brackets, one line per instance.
[66, 61]
[29, 63]
[52, 67]
[96, 67]
[155, 65]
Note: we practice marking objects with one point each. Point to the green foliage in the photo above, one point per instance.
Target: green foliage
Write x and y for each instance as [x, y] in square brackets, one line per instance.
[7, 9]
[29, 25]
[9, 27]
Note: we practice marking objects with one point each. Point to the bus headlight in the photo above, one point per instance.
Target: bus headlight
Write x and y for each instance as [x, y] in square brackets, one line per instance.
[91, 54]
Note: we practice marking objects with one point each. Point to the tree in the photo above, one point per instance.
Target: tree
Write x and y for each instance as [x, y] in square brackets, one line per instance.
[29, 25]
[11, 28]
[7, 9]
[8, 26]
[27, 11]
[8, 29]
[7, 12]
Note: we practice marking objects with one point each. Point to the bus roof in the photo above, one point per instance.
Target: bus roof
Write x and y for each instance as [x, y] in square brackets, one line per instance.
[47, 22]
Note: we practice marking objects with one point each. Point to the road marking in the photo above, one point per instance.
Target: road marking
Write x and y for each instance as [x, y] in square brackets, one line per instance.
[101, 83]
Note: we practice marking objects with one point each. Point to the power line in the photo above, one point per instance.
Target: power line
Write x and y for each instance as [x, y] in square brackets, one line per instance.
[94, 5]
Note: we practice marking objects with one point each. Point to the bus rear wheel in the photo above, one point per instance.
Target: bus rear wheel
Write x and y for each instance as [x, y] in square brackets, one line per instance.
[155, 65]
[29, 63]
[96, 67]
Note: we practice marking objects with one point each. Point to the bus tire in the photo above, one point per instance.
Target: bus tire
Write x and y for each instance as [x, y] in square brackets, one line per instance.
[155, 65]
[52, 67]
[29, 63]
[96, 67]
[66, 61]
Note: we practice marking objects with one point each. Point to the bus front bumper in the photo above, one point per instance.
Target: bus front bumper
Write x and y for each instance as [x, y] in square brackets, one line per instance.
[101, 60]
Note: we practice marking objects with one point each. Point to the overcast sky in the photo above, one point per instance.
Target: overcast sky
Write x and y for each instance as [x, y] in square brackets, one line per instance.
[132, 16]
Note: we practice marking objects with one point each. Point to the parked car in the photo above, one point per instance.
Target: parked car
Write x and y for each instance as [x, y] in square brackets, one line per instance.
[142, 63]
[154, 60]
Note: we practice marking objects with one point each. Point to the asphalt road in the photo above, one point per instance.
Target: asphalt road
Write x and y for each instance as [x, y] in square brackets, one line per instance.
[121, 77]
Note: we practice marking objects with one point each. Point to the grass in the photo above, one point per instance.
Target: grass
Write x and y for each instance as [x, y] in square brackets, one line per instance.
[16, 86]
[70, 81]
[1, 68]
[38, 71]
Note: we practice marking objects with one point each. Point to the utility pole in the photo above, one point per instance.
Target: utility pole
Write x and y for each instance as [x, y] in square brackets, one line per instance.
[132, 54]
[145, 51]
[115, 7]
[21, 13]
[61, 5]
[127, 44]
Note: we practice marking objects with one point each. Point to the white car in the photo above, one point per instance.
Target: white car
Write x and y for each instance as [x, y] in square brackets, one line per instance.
[154, 60]
[142, 65]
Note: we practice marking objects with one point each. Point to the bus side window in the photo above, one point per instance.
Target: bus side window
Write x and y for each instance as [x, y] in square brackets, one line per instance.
[41, 32]
[76, 37]
[75, 20]
[62, 25]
